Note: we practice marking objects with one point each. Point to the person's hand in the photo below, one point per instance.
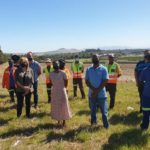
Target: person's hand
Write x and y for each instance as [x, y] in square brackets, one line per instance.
[26, 88]
[95, 93]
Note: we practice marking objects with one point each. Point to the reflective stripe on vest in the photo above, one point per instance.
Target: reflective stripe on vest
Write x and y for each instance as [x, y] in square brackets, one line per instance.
[112, 73]
[77, 70]
[12, 90]
[145, 109]
[47, 73]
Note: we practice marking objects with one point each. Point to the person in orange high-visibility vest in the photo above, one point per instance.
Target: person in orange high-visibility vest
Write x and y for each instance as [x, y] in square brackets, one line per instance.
[47, 70]
[114, 72]
[77, 68]
[8, 80]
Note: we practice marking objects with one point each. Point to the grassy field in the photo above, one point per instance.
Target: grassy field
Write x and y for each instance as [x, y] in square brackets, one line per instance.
[41, 132]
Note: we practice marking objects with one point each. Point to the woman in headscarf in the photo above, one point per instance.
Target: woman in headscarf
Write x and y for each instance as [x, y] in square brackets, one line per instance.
[60, 109]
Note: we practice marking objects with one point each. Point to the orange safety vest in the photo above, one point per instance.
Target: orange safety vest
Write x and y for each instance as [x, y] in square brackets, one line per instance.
[77, 70]
[67, 72]
[6, 77]
[113, 74]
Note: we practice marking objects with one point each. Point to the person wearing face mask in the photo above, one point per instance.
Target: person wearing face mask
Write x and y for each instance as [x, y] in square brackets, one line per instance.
[77, 68]
[140, 66]
[8, 81]
[16, 59]
[60, 109]
[115, 72]
[24, 78]
[37, 70]
[47, 70]
[96, 78]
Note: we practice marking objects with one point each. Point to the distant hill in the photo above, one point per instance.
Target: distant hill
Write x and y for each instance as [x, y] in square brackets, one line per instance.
[59, 51]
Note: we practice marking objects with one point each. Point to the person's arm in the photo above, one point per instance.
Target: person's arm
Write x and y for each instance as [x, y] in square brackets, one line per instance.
[119, 71]
[3, 79]
[65, 79]
[87, 80]
[89, 85]
[66, 83]
[105, 78]
[72, 67]
[102, 85]
[82, 68]
[136, 75]
[142, 78]
[40, 70]
[136, 78]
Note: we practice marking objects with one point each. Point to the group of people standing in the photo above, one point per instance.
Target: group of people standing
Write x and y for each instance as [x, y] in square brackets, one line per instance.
[23, 79]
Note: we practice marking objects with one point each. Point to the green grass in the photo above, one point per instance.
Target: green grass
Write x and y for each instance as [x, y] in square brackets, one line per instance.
[41, 132]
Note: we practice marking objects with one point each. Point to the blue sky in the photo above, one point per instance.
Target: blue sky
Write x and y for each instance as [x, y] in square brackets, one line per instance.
[43, 25]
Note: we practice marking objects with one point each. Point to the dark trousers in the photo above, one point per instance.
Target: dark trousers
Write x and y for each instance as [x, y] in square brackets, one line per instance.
[76, 82]
[12, 94]
[140, 90]
[20, 99]
[35, 93]
[145, 120]
[111, 88]
[49, 85]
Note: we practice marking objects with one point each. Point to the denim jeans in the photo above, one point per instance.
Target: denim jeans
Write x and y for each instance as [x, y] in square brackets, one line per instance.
[145, 120]
[103, 105]
[35, 93]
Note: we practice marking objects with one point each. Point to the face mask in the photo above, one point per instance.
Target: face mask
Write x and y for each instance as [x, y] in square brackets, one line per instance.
[95, 62]
[23, 65]
[30, 59]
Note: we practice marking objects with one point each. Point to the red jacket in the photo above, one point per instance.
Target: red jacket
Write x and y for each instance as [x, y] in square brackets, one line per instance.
[6, 77]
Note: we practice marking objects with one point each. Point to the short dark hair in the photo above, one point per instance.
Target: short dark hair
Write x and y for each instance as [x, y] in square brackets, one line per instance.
[147, 57]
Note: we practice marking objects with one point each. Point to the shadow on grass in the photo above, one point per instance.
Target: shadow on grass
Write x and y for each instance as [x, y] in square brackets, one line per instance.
[27, 131]
[5, 109]
[39, 115]
[4, 121]
[72, 135]
[132, 137]
[83, 112]
[132, 118]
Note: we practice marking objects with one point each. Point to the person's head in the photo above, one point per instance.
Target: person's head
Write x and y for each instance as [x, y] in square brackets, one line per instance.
[56, 65]
[15, 59]
[147, 58]
[30, 56]
[61, 64]
[146, 52]
[95, 59]
[24, 62]
[76, 59]
[48, 62]
[10, 62]
[111, 58]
